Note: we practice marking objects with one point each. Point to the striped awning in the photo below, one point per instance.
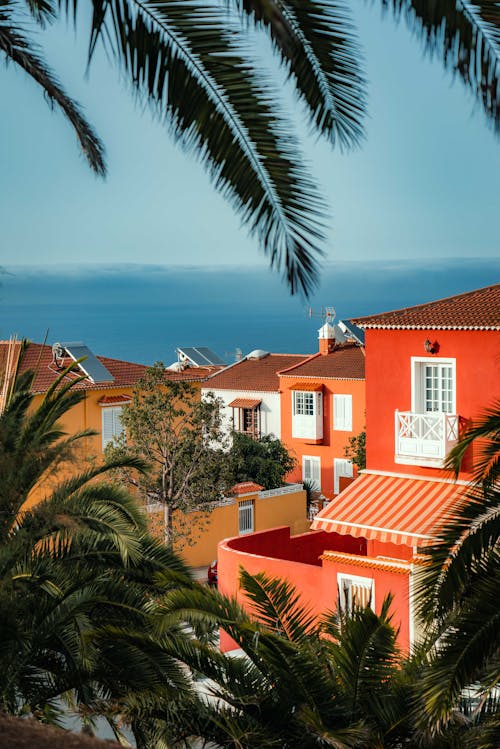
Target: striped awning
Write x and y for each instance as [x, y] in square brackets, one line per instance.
[400, 510]
[244, 403]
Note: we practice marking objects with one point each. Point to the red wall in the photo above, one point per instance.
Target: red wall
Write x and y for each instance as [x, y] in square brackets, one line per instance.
[296, 559]
[334, 441]
[388, 378]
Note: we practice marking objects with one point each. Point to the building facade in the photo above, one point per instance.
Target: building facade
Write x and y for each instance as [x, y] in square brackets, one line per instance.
[430, 371]
[322, 408]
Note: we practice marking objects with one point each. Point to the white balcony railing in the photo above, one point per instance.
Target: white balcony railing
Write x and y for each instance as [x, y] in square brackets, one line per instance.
[424, 438]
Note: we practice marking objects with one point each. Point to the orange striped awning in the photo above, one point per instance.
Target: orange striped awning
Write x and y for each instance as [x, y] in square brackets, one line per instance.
[400, 510]
[244, 403]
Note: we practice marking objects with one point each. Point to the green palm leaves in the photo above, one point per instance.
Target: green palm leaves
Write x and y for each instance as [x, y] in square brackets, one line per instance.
[79, 577]
[459, 593]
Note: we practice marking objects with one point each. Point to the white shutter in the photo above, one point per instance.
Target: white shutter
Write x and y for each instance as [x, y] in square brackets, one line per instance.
[341, 467]
[311, 471]
[342, 412]
[111, 424]
[107, 426]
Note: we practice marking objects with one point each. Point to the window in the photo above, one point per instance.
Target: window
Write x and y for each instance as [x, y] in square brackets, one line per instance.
[433, 387]
[311, 472]
[307, 414]
[355, 592]
[342, 412]
[111, 424]
[303, 403]
[245, 516]
[341, 467]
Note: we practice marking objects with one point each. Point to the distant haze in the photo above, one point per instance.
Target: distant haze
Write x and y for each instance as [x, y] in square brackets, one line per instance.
[142, 313]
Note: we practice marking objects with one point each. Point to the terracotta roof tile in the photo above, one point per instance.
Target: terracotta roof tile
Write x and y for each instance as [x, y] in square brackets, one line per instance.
[254, 374]
[474, 310]
[245, 487]
[346, 362]
[38, 357]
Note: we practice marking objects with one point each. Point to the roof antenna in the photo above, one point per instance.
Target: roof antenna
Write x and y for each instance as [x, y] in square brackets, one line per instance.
[327, 314]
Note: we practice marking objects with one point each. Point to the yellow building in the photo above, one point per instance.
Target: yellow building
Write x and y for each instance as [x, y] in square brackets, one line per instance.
[107, 385]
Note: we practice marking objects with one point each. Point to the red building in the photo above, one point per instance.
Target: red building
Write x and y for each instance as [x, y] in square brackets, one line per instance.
[430, 369]
[322, 407]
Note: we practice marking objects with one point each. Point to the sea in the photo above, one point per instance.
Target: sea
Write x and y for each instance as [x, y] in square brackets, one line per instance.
[143, 313]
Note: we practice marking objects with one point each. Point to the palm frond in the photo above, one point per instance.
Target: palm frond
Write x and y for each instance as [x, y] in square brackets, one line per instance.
[276, 604]
[318, 45]
[230, 119]
[484, 434]
[17, 48]
[466, 37]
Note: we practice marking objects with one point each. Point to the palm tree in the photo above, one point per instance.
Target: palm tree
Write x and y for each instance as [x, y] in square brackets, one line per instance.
[459, 596]
[79, 578]
[191, 61]
[337, 682]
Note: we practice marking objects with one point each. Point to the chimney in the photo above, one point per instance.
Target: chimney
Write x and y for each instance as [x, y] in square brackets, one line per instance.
[326, 337]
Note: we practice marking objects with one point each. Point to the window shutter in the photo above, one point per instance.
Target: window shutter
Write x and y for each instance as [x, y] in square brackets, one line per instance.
[107, 426]
[342, 412]
[311, 471]
[343, 468]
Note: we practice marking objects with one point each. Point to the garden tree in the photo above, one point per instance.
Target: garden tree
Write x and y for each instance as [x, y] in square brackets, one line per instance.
[79, 582]
[459, 597]
[265, 461]
[191, 61]
[355, 450]
[182, 440]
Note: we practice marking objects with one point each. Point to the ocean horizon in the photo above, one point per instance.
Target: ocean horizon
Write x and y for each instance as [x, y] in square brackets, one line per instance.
[143, 313]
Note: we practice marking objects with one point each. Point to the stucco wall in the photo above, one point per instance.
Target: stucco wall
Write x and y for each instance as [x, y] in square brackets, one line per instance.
[270, 422]
[388, 378]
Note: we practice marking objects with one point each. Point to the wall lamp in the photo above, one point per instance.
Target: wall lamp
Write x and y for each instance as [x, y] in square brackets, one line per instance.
[431, 348]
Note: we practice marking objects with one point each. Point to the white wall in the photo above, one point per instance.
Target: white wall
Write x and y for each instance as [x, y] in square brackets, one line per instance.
[269, 408]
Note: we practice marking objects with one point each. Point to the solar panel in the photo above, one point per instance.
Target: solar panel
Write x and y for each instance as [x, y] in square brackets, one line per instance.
[201, 356]
[92, 367]
[353, 331]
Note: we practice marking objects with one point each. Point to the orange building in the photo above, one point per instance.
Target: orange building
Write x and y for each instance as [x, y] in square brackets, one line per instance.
[322, 407]
[430, 369]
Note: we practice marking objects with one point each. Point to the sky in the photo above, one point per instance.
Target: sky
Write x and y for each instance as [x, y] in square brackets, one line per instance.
[425, 183]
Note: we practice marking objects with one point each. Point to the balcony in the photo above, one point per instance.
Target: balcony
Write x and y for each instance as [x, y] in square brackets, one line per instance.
[424, 439]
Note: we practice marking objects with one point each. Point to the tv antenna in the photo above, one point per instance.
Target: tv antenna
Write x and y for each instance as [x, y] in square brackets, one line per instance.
[327, 314]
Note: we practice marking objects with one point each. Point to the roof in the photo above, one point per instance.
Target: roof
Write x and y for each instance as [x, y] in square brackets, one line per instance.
[245, 487]
[390, 508]
[254, 374]
[474, 310]
[345, 362]
[38, 358]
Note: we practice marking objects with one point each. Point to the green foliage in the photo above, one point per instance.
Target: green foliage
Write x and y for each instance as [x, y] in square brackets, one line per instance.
[80, 579]
[458, 593]
[265, 461]
[181, 439]
[355, 450]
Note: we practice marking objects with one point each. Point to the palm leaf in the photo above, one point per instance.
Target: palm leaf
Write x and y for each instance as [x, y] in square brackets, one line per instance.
[230, 119]
[318, 46]
[17, 48]
[466, 37]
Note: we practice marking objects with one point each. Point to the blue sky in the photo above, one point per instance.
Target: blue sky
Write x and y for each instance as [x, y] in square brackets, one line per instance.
[424, 184]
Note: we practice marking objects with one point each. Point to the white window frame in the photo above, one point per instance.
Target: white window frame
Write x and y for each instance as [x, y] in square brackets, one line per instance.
[117, 425]
[365, 582]
[246, 516]
[417, 386]
[299, 406]
[342, 414]
[316, 460]
[339, 464]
